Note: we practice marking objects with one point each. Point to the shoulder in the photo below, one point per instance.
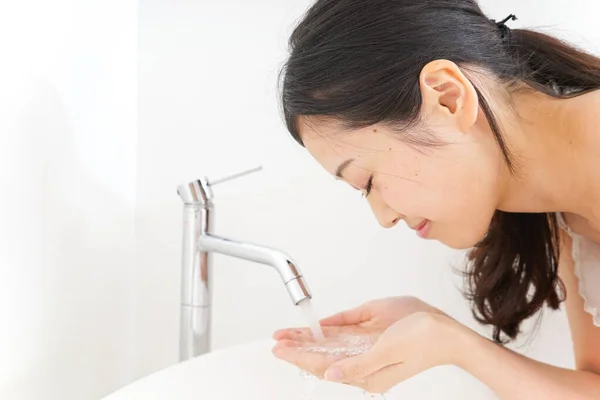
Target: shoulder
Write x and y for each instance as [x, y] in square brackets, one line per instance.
[565, 262]
[585, 335]
[581, 226]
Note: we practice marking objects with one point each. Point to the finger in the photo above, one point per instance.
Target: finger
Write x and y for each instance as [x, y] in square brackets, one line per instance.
[286, 344]
[306, 335]
[291, 333]
[358, 367]
[386, 378]
[349, 317]
[300, 334]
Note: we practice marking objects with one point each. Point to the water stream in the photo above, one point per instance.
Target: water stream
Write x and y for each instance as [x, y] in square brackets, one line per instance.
[311, 319]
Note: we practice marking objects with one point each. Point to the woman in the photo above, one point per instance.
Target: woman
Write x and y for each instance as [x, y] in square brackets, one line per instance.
[477, 136]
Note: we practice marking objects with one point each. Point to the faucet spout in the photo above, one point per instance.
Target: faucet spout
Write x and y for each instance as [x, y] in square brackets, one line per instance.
[288, 270]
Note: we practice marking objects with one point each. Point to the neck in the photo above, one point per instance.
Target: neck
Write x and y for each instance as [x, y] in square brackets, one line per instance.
[555, 145]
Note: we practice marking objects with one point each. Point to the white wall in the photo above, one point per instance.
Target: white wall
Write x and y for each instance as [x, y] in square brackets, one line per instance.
[67, 153]
[208, 107]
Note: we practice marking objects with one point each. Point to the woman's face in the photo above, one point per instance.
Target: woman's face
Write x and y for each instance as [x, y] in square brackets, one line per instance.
[448, 192]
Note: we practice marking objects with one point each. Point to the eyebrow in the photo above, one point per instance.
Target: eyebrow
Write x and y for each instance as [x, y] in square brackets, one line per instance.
[340, 169]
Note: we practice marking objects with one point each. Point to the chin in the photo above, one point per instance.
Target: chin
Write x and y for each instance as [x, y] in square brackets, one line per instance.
[461, 241]
[457, 245]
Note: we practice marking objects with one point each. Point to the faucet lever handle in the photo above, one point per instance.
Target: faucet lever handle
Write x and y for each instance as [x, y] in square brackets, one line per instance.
[234, 176]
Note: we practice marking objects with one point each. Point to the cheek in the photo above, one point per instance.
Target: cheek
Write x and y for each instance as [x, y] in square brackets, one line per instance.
[455, 197]
[413, 186]
[458, 194]
[457, 191]
[464, 202]
[442, 187]
[402, 186]
[401, 195]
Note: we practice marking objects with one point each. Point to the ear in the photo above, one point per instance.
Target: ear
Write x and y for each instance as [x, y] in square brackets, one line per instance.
[447, 93]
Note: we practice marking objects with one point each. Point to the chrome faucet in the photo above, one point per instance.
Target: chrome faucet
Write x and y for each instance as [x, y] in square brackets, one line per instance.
[198, 245]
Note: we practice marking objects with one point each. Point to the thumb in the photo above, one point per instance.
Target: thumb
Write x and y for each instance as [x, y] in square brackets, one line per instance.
[355, 369]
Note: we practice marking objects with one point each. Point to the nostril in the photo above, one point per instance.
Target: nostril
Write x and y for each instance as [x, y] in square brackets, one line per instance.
[395, 221]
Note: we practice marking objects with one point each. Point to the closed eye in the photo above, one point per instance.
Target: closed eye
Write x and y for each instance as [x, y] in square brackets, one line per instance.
[368, 187]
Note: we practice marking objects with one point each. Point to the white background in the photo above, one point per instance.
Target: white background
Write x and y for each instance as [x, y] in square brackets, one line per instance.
[105, 107]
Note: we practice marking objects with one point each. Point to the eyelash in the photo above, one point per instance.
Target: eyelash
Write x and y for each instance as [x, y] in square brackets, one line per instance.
[369, 187]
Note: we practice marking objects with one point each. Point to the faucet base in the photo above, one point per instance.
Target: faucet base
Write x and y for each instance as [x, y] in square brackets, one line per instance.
[194, 338]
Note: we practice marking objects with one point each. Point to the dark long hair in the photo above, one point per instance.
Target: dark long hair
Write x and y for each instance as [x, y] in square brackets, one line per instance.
[358, 62]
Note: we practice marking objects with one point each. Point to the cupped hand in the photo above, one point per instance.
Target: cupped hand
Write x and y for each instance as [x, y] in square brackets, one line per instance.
[374, 346]
[298, 346]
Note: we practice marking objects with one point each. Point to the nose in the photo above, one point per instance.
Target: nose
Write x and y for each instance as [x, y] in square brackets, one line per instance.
[385, 215]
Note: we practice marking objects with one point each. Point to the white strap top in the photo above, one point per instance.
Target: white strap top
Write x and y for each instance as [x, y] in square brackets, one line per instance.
[586, 260]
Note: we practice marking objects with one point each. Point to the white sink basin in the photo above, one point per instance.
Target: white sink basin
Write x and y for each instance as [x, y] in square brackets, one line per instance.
[251, 372]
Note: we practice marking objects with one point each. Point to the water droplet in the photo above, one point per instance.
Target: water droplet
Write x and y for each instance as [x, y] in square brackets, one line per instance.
[308, 389]
[346, 345]
[373, 395]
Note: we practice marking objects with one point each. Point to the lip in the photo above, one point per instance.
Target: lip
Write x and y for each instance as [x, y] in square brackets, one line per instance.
[423, 228]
